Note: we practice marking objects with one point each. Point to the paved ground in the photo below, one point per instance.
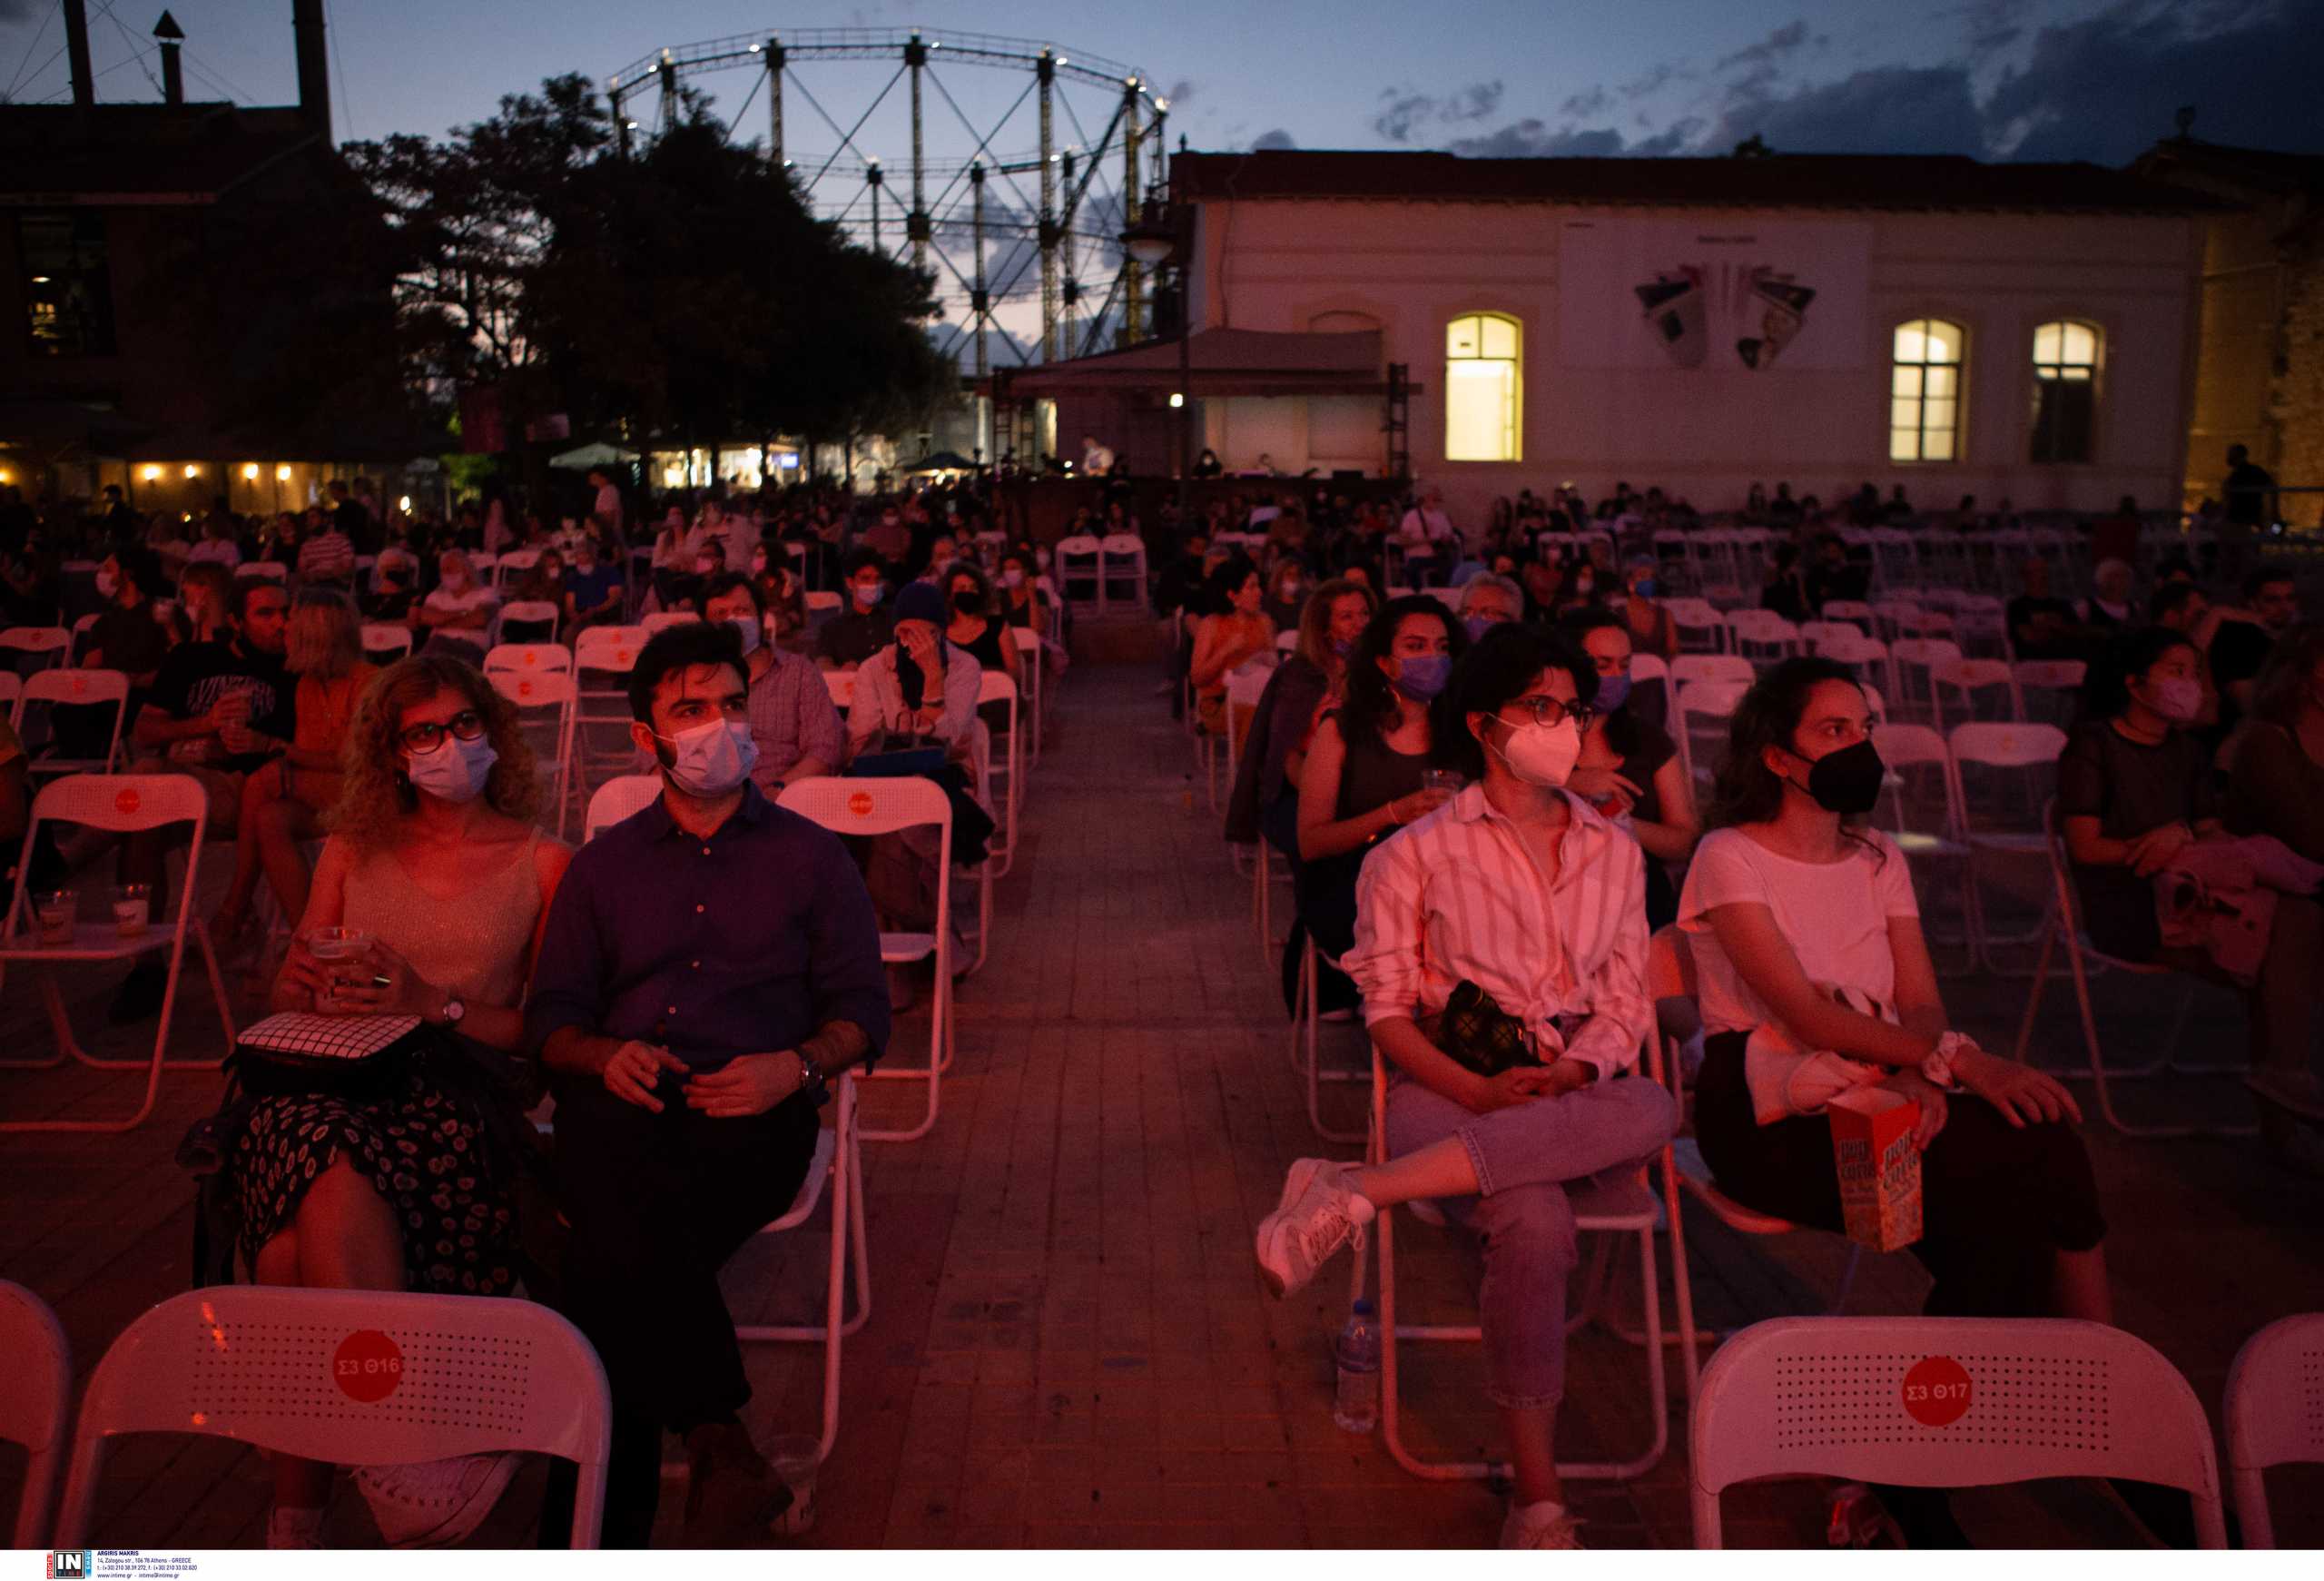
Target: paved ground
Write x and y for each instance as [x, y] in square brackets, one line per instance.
[1070, 1345]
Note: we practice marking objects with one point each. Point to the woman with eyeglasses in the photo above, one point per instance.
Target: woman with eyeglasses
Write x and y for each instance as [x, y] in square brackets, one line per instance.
[434, 860]
[1522, 888]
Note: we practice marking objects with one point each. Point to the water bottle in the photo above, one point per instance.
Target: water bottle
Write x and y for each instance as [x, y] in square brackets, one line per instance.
[1356, 1407]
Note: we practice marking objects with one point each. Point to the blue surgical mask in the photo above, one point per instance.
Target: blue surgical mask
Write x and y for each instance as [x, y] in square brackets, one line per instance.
[1422, 675]
[711, 758]
[455, 771]
[1613, 691]
[1342, 647]
[1476, 626]
[1646, 588]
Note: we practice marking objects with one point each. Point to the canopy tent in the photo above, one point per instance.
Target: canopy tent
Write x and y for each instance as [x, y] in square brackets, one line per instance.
[583, 458]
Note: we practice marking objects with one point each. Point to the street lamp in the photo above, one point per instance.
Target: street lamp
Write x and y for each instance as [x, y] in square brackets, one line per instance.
[1164, 232]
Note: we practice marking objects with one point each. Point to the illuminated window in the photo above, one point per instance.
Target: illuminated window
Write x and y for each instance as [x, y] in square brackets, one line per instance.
[68, 284]
[2065, 391]
[1924, 391]
[1482, 386]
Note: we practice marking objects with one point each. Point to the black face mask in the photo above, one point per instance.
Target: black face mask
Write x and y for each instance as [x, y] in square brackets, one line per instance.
[1847, 782]
[967, 603]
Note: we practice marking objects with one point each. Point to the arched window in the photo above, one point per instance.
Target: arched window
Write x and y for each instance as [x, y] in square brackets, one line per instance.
[2065, 390]
[1924, 391]
[1483, 381]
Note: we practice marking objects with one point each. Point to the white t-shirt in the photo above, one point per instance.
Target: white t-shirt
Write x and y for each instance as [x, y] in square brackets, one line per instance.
[1425, 527]
[1834, 914]
[475, 596]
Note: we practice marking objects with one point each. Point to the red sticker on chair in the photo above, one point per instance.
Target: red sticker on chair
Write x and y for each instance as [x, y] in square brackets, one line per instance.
[524, 688]
[127, 802]
[860, 803]
[79, 685]
[532, 658]
[367, 1366]
[1936, 1391]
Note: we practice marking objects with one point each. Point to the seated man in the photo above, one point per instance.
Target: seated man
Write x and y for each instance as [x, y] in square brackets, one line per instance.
[863, 629]
[458, 613]
[795, 724]
[690, 1014]
[217, 711]
[593, 587]
[1489, 600]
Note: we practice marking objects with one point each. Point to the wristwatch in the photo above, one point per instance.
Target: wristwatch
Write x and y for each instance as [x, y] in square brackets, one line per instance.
[811, 1078]
[455, 1009]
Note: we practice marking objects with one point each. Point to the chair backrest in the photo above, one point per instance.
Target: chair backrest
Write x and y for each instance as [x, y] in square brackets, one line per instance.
[351, 1378]
[1946, 1402]
[2048, 688]
[608, 650]
[872, 806]
[386, 637]
[76, 687]
[12, 692]
[1693, 668]
[840, 684]
[1979, 688]
[529, 657]
[119, 804]
[42, 639]
[272, 570]
[619, 797]
[36, 1402]
[1117, 544]
[667, 617]
[2003, 774]
[1925, 651]
[1848, 645]
[823, 603]
[509, 566]
[81, 630]
[1852, 610]
[1027, 639]
[995, 687]
[1079, 547]
[2275, 1413]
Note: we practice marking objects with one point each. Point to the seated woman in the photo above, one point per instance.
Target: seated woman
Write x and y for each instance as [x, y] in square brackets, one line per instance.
[1287, 591]
[1265, 800]
[1232, 634]
[918, 690]
[1629, 769]
[1814, 975]
[1022, 602]
[283, 803]
[433, 855]
[1522, 888]
[2132, 787]
[1365, 773]
[974, 628]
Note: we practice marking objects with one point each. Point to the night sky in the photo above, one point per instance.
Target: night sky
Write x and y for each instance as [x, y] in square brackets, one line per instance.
[2028, 79]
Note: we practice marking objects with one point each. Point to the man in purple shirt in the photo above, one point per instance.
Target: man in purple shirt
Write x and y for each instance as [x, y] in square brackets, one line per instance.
[707, 966]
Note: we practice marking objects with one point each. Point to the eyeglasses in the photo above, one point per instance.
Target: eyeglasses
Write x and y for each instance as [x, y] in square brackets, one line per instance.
[1552, 712]
[467, 725]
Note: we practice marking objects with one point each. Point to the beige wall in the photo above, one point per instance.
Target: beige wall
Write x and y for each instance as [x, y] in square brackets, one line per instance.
[1707, 434]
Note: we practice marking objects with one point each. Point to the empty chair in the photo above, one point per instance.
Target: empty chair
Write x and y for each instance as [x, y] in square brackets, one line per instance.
[509, 568]
[1854, 611]
[1689, 668]
[1969, 690]
[1081, 564]
[603, 658]
[1761, 635]
[666, 617]
[528, 658]
[1701, 627]
[386, 641]
[1701, 714]
[1917, 810]
[530, 623]
[1946, 1402]
[1911, 684]
[2047, 689]
[2003, 776]
[2275, 1415]
[618, 798]
[1888, 615]
[36, 1402]
[1121, 568]
[24, 647]
[54, 690]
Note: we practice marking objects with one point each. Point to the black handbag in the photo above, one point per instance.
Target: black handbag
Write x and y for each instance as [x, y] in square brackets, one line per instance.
[294, 1052]
[1483, 1036]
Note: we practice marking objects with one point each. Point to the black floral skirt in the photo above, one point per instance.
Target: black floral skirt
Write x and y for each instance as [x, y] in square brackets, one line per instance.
[427, 1147]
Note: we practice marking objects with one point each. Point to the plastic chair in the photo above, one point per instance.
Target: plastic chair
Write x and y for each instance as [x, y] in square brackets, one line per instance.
[526, 612]
[350, 1377]
[1947, 1402]
[841, 685]
[1246, 691]
[121, 804]
[1867, 655]
[663, 619]
[529, 657]
[2047, 689]
[822, 606]
[1701, 627]
[509, 568]
[603, 658]
[50, 643]
[2004, 776]
[1981, 690]
[1912, 664]
[1711, 700]
[1761, 637]
[1304, 1019]
[2275, 1415]
[1608, 1211]
[1032, 662]
[1649, 669]
[1888, 615]
[77, 688]
[386, 641]
[1690, 669]
[81, 630]
[1121, 559]
[1917, 809]
[994, 688]
[272, 570]
[1856, 612]
[837, 1163]
[884, 807]
[2064, 921]
[619, 799]
[1082, 558]
[546, 697]
[36, 1402]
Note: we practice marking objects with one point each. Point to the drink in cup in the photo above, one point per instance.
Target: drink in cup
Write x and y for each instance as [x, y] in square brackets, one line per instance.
[1447, 780]
[233, 729]
[795, 1457]
[335, 946]
[56, 909]
[132, 909]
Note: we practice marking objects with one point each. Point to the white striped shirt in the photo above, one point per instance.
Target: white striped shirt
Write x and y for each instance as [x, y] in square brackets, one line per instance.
[1457, 895]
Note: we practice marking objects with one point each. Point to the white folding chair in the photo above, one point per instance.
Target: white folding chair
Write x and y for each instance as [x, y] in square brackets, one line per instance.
[2275, 1415]
[885, 807]
[272, 571]
[1975, 690]
[120, 804]
[1032, 664]
[1946, 1402]
[1867, 655]
[1917, 810]
[526, 612]
[545, 702]
[1081, 558]
[1246, 690]
[1713, 702]
[36, 1402]
[1701, 629]
[1854, 611]
[76, 688]
[994, 689]
[838, 1163]
[820, 606]
[1623, 1208]
[509, 568]
[662, 620]
[350, 1378]
[603, 658]
[1889, 615]
[49, 644]
[841, 685]
[1689, 668]
[618, 799]
[386, 641]
[2064, 920]
[2004, 776]
[1760, 637]
[1650, 669]
[2047, 689]
[1911, 660]
[1121, 559]
[81, 630]
[529, 657]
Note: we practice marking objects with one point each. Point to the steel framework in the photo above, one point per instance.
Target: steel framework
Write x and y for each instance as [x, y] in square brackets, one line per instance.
[1089, 188]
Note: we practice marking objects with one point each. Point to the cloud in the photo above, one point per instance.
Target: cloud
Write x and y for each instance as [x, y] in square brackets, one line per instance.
[1883, 110]
[1784, 41]
[1404, 111]
[1534, 139]
[1277, 139]
[1583, 106]
[1181, 92]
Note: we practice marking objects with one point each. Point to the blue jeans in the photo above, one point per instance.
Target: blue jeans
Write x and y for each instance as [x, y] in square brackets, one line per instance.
[1524, 1156]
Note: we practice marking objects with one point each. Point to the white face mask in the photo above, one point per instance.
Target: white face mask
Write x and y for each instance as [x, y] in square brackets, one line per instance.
[2178, 698]
[455, 771]
[711, 758]
[1543, 754]
[1012, 577]
[749, 627]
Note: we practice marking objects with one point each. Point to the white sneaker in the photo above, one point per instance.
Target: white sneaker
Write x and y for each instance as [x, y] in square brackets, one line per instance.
[1539, 1526]
[1315, 1218]
[291, 1528]
[434, 1503]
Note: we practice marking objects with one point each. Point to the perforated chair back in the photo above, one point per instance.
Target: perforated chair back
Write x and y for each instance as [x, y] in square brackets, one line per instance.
[2275, 1414]
[36, 1402]
[511, 566]
[524, 614]
[619, 798]
[1947, 1402]
[351, 1378]
[272, 571]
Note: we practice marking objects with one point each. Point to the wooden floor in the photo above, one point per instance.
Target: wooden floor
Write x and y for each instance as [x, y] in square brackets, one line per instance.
[1069, 1345]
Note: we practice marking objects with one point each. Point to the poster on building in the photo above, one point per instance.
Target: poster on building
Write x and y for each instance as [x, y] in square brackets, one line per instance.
[1756, 296]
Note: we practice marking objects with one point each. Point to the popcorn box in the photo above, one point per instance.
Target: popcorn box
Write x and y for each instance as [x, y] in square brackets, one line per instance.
[1879, 1167]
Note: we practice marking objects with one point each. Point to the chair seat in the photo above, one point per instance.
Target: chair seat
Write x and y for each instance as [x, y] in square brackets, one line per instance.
[1912, 844]
[1695, 1176]
[811, 1190]
[898, 948]
[93, 942]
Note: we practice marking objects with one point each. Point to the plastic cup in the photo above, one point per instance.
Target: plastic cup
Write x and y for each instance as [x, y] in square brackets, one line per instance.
[56, 911]
[795, 1457]
[337, 943]
[132, 909]
[1448, 780]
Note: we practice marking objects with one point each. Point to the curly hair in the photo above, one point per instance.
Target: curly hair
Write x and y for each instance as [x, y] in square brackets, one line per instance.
[375, 796]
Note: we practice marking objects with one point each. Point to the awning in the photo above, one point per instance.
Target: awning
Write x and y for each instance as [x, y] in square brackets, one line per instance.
[587, 457]
[1221, 363]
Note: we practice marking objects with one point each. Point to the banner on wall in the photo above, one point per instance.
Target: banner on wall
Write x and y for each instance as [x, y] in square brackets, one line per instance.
[1683, 294]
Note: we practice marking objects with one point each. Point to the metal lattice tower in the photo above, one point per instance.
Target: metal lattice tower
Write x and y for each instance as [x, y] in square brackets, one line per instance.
[974, 218]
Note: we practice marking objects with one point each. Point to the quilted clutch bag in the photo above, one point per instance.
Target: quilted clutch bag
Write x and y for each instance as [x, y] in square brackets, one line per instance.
[1478, 1033]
